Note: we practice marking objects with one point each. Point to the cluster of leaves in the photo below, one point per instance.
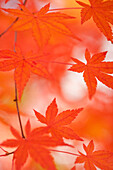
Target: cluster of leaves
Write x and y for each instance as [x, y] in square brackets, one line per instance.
[35, 141]
[43, 24]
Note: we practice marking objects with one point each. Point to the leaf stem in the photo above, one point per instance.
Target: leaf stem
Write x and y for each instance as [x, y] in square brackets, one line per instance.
[55, 62]
[7, 153]
[3, 149]
[57, 9]
[53, 150]
[12, 23]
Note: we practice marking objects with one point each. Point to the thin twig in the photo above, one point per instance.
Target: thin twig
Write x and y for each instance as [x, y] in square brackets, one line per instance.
[64, 152]
[16, 94]
[12, 22]
[16, 98]
[9, 27]
[17, 107]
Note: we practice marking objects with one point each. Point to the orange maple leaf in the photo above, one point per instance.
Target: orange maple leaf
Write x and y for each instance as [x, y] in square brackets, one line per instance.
[56, 124]
[102, 13]
[94, 68]
[34, 144]
[101, 158]
[41, 23]
[23, 65]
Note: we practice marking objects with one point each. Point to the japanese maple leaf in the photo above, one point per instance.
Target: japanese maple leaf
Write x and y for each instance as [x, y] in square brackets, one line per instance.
[102, 13]
[23, 65]
[95, 68]
[56, 124]
[101, 158]
[41, 23]
[34, 144]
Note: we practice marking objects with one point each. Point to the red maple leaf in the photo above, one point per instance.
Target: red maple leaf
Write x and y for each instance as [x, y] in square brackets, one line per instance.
[94, 68]
[23, 65]
[34, 144]
[101, 158]
[41, 23]
[102, 13]
[56, 124]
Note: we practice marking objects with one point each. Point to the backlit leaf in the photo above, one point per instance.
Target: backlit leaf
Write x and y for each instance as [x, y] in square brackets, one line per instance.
[95, 68]
[101, 158]
[102, 13]
[56, 124]
[23, 66]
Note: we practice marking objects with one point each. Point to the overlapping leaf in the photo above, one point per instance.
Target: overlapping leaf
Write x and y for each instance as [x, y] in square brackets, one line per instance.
[102, 13]
[95, 68]
[34, 144]
[56, 124]
[23, 65]
[41, 23]
[101, 158]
